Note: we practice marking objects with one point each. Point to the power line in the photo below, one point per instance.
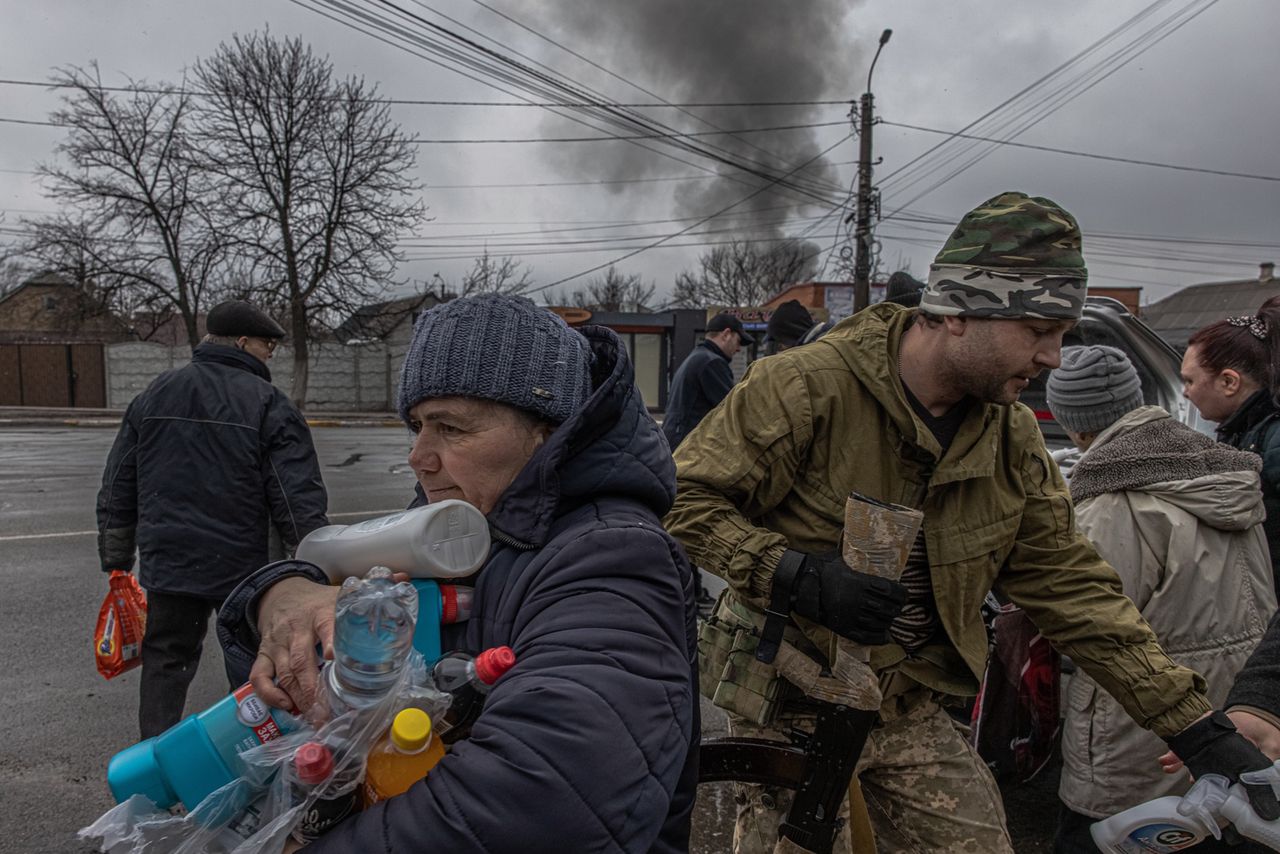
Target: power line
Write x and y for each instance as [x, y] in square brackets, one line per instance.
[486, 66]
[150, 90]
[1102, 71]
[1090, 155]
[626, 138]
[676, 234]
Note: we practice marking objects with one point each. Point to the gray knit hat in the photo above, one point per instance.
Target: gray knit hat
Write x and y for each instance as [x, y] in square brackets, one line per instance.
[1093, 388]
[500, 348]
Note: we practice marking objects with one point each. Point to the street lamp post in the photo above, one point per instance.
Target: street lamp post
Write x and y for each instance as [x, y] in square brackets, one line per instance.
[862, 234]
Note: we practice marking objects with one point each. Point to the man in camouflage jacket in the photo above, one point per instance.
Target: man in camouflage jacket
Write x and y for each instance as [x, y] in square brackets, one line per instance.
[919, 408]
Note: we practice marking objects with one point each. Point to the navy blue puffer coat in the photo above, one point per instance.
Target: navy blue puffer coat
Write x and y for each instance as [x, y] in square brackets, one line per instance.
[589, 743]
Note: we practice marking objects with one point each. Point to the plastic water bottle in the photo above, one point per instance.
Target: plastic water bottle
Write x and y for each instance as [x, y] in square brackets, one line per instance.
[402, 757]
[198, 754]
[373, 632]
[448, 539]
[468, 681]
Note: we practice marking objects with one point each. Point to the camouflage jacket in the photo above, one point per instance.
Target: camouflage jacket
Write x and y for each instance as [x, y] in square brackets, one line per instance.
[771, 468]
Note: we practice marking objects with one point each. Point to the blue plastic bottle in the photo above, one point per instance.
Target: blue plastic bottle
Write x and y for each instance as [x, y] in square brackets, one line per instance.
[200, 753]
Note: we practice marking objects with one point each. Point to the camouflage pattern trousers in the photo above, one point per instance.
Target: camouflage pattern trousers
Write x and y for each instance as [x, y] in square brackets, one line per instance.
[925, 787]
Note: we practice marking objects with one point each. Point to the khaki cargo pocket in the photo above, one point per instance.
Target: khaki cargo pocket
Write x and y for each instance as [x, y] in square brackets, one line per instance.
[749, 688]
[715, 640]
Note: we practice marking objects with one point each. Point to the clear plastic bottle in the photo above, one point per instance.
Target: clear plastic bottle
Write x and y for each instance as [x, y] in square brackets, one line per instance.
[468, 681]
[372, 635]
[402, 757]
[313, 770]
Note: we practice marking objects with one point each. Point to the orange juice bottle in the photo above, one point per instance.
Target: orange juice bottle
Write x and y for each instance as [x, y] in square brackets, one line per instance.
[402, 757]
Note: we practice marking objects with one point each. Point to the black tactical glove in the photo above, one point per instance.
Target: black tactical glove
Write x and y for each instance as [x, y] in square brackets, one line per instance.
[852, 604]
[1212, 746]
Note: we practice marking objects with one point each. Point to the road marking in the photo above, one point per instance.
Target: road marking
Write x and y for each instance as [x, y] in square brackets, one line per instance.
[370, 513]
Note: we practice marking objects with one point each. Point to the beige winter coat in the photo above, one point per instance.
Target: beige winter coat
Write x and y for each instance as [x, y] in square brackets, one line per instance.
[1179, 517]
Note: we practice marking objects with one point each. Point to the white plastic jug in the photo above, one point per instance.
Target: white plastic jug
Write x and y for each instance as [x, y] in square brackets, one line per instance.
[448, 539]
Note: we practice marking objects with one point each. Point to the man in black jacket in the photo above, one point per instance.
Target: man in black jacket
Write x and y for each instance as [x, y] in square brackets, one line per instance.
[704, 378]
[209, 458]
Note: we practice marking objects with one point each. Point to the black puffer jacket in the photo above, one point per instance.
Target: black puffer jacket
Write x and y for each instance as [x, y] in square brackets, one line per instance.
[207, 459]
[1255, 427]
[589, 743]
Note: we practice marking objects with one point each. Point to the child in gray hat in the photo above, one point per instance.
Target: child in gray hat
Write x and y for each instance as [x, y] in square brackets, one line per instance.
[1179, 517]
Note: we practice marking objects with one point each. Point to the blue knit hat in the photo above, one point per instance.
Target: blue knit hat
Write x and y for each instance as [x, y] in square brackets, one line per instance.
[500, 348]
[1093, 388]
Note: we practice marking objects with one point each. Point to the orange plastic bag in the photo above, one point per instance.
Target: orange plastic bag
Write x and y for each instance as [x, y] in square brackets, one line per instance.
[122, 620]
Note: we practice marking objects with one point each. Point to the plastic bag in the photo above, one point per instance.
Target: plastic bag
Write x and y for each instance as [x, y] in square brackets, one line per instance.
[1017, 715]
[255, 813]
[122, 621]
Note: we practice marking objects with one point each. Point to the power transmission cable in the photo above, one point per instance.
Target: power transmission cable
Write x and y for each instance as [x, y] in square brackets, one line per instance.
[673, 235]
[494, 65]
[627, 138]
[599, 67]
[1149, 9]
[44, 84]
[1110, 158]
[1122, 58]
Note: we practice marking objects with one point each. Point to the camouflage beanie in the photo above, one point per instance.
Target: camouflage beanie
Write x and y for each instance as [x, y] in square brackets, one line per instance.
[1013, 256]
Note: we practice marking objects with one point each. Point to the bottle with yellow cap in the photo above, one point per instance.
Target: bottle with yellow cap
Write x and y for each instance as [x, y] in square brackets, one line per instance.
[402, 757]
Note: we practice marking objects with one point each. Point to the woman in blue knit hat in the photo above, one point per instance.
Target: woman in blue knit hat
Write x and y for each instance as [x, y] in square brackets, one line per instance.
[589, 742]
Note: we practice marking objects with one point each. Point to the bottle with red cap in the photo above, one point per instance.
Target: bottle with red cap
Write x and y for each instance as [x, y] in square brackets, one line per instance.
[313, 768]
[468, 681]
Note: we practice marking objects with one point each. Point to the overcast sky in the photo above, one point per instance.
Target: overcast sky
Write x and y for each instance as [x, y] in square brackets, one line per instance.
[1201, 97]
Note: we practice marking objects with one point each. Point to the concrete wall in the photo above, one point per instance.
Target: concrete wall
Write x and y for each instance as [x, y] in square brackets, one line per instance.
[355, 378]
[132, 366]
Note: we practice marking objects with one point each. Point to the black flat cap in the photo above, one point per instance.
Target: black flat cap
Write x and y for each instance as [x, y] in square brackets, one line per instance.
[237, 317]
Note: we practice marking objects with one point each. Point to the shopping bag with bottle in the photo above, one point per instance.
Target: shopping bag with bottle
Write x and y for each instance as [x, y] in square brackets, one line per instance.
[122, 621]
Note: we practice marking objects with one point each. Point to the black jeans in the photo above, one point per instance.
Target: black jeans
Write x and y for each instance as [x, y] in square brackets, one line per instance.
[1073, 838]
[171, 648]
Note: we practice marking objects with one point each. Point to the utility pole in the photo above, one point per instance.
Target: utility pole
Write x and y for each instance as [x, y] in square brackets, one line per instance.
[866, 193]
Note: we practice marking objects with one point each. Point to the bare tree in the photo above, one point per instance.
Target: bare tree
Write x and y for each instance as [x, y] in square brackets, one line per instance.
[314, 180]
[744, 274]
[614, 292]
[137, 223]
[490, 275]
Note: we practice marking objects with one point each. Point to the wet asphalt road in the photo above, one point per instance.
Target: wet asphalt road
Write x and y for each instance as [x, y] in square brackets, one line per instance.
[59, 720]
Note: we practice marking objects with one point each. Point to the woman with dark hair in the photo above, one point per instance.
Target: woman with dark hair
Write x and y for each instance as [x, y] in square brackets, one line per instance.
[1230, 373]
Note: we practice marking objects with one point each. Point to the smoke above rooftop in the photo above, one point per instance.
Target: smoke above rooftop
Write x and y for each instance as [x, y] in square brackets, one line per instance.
[713, 51]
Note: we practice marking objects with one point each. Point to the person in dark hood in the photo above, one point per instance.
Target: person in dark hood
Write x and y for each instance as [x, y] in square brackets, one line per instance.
[589, 742]
[209, 459]
[788, 325]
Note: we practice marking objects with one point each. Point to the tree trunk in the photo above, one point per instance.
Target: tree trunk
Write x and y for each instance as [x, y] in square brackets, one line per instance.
[298, 328]
[193, 328]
